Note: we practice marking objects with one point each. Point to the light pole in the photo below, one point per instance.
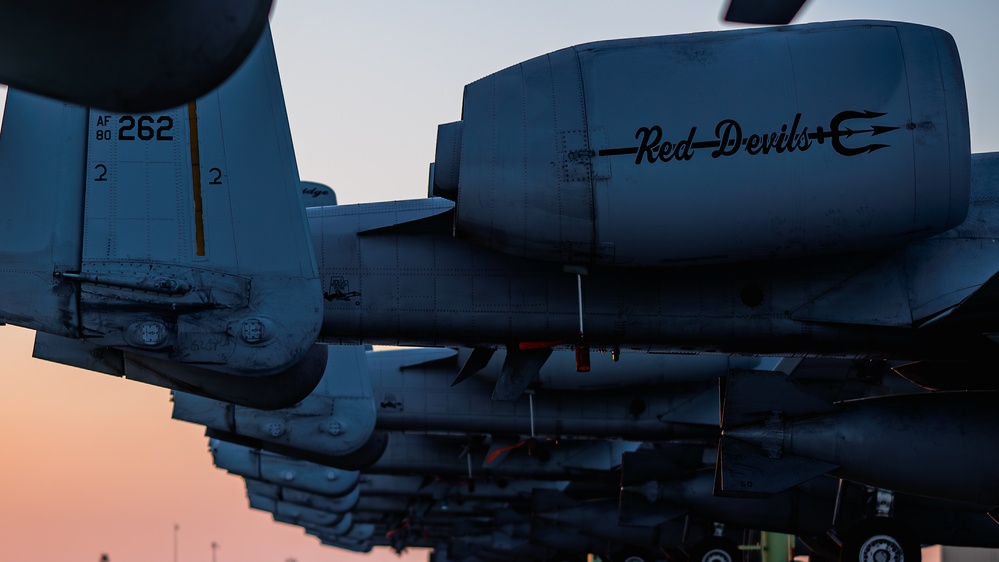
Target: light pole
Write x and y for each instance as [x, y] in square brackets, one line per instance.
[176, 528]
[215, 547]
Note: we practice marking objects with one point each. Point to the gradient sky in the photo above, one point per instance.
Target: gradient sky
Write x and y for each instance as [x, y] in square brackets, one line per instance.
[91, 464]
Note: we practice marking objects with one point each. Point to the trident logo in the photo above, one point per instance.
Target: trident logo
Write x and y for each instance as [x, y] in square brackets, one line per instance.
[837, 132]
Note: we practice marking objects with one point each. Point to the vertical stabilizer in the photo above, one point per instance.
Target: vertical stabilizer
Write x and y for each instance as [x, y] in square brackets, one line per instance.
[42, 159]
[194, 248]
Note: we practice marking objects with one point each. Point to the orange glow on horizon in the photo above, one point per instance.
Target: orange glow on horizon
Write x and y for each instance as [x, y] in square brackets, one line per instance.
[94, 464]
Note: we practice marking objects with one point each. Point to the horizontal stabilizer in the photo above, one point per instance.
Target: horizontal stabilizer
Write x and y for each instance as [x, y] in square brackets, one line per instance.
[337, 419]
[363, 545]
[290, 471]
[331, 531]
[414, 217]
[367, 455]
[280, 390]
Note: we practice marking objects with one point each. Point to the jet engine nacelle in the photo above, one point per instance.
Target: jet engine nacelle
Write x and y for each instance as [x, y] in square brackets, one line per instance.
[714, 147]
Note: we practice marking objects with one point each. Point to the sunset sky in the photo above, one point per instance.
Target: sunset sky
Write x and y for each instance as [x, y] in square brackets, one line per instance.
[91, 464]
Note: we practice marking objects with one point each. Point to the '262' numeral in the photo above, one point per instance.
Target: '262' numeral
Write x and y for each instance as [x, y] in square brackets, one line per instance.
[142, 128]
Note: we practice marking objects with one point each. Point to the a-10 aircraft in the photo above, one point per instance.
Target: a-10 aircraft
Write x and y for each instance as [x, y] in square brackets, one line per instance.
[385, 452]
[829, 207]
[854, 221]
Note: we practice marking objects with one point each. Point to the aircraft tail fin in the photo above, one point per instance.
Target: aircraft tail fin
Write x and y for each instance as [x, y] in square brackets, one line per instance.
[195, 247]
[42, 160]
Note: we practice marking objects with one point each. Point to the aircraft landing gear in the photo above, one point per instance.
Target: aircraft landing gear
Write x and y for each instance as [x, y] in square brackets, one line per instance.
[880, 540]
[715, 549]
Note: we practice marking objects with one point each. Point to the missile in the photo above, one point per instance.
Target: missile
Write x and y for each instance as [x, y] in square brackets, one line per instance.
[931, 444]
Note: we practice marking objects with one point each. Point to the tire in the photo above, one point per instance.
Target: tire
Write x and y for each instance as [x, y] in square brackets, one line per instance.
[880, 540]
[715, 549]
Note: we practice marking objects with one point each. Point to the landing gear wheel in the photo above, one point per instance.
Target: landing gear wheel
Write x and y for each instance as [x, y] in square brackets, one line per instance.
[715, 549]
[880, 540]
